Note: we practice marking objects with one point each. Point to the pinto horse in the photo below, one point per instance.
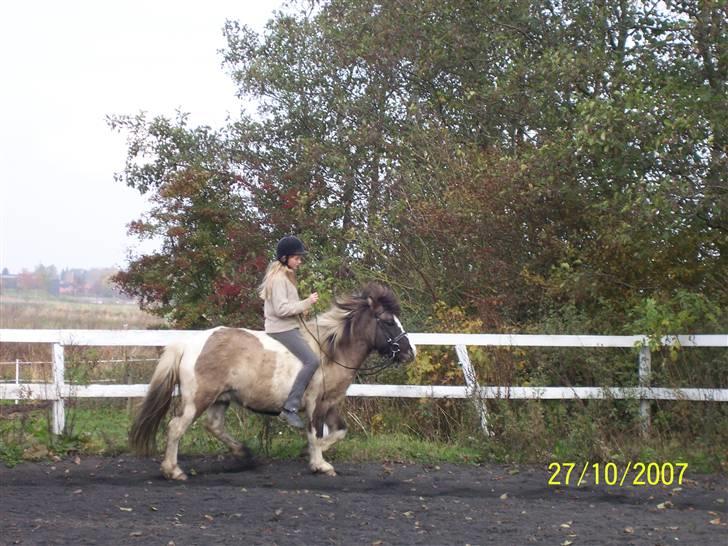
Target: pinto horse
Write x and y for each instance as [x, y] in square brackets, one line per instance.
[251, 368]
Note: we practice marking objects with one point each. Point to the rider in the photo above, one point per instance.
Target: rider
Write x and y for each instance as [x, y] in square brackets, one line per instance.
[282, 309]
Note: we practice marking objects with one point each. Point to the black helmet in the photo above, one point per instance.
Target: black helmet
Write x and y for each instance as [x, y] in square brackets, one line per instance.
[290, 246]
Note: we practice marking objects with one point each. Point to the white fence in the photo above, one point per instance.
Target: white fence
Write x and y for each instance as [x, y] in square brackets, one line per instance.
[59, 390]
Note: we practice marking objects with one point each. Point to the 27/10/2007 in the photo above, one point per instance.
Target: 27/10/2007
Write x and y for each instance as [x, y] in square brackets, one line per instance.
[635, 474]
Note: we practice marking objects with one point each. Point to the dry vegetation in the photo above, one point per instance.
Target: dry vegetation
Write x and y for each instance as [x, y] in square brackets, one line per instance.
[47, 313]
[79, 313]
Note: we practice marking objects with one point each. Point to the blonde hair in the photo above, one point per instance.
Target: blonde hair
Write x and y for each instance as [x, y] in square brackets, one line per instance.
[274, 268]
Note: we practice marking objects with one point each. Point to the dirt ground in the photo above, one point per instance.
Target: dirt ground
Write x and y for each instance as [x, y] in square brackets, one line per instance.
[124, 501]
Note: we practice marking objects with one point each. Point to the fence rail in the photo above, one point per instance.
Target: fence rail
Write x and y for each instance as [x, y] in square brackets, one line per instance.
[59, 390]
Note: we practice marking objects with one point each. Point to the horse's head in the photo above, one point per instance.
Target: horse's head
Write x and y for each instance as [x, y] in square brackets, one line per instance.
[389, 339]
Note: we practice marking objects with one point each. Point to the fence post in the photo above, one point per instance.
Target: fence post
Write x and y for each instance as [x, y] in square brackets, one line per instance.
[645, 371]
[473, 388]
[59, 411]
[17, 374]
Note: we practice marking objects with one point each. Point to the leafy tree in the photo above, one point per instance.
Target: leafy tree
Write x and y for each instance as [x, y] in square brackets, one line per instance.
[517, 160]
[211, 242]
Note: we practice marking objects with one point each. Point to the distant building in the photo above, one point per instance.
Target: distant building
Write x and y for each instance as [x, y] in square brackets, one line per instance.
[8, 282]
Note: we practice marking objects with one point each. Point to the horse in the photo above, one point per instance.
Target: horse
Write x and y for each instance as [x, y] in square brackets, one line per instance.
[223, 365]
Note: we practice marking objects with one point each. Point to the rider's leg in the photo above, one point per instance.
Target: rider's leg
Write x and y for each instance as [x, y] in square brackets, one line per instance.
[294, 342]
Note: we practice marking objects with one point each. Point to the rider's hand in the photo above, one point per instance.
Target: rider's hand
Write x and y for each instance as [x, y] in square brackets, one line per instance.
[313, 298]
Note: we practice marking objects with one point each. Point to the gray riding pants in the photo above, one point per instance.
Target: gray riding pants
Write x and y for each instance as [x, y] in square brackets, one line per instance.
[294, 342]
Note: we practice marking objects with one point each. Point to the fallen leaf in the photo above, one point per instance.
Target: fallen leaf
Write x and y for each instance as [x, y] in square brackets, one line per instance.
[77, 460]
[565, 526]
[78, 491]
[567, 543]
[153, 508]
[125, 509]
[715, 521]
[629, 530]
[504, 496]
[135, 534]
[208, 517]
[720, 501]
[664, 505]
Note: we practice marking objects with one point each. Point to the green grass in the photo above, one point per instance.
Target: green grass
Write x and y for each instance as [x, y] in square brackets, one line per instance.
[103, 431]
[100, 428]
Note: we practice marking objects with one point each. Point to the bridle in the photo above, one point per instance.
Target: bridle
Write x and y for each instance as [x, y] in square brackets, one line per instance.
[393, 343]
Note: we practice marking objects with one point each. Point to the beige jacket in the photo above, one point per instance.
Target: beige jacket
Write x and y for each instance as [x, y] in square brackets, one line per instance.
[282, 308]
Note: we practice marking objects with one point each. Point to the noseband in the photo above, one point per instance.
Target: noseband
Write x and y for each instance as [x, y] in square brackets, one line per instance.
[393, 343]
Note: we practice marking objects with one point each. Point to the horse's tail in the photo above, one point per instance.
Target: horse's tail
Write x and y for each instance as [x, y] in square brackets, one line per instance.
[143, 432]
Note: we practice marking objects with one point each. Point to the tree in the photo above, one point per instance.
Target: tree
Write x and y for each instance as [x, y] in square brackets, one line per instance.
[212, 250]
[519, 160]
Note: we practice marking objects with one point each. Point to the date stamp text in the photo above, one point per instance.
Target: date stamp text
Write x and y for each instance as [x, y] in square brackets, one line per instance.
[636, 474]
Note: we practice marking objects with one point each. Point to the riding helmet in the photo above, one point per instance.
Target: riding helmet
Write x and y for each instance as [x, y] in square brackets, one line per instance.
[290, 246]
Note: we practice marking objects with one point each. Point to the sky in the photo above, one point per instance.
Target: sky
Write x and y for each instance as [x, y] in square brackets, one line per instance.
[64, 67]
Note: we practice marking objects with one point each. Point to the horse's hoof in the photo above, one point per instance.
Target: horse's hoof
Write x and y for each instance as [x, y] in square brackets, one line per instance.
[328, 470]
[244, 453]
[175, 474]
[180, 476]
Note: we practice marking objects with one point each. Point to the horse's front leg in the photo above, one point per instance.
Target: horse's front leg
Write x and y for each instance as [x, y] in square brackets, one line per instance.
[316, 461]
[325, 429]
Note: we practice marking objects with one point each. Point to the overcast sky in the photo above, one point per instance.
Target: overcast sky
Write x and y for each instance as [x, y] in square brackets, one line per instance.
[65, 66]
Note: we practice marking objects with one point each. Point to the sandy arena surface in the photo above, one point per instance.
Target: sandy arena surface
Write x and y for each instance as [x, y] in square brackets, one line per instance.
[124, 500]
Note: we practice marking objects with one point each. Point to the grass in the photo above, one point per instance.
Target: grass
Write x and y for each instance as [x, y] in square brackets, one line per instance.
[99, 427]
[38, 311]
[34, 311]
[96, 429]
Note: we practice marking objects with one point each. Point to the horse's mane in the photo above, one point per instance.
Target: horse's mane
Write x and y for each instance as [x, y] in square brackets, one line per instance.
[335, 328]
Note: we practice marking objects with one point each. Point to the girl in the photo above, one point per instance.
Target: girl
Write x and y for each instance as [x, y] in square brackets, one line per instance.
[282, 310]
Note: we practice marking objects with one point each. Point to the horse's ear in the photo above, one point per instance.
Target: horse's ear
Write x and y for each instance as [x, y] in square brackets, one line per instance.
[370, 301]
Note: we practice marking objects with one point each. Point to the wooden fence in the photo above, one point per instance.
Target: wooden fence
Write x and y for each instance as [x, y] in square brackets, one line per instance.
[58, 390]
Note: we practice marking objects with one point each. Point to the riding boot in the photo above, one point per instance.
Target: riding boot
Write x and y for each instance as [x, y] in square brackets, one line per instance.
[292, 418]
[293, 402]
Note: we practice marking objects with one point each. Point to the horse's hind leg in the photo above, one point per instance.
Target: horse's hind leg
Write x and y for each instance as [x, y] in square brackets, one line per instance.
[215, 425]
[177, 427]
